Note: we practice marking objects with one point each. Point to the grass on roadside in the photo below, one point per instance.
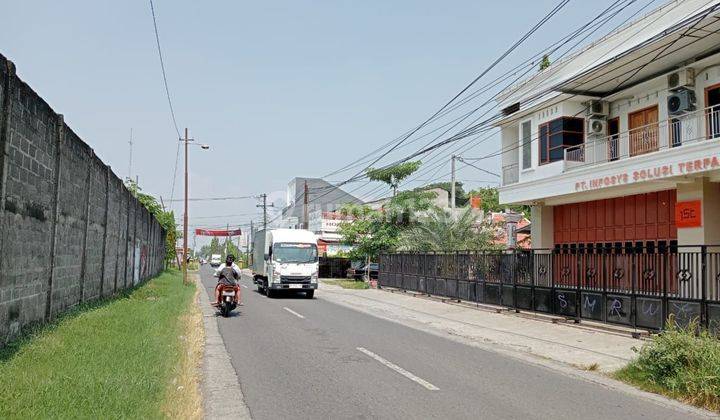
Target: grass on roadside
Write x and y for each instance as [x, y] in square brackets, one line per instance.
[348, 284]
[679, 364]
[115, 358]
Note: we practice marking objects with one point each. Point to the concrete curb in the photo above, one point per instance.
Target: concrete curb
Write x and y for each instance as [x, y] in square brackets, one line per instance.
[222, 396]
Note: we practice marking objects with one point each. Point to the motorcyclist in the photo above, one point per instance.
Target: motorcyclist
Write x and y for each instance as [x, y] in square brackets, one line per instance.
[227, 275]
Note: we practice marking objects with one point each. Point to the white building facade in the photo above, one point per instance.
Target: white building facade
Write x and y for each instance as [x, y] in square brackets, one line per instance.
[620, 143]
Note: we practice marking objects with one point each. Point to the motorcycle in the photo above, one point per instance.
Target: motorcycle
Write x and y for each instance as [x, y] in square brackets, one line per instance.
[229, 291]
[227, 299]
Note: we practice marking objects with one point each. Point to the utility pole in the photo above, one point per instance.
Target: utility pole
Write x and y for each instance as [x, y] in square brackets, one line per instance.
[452, 184]
[264, 211]
[249, 239]
[264, 206]
[187, 141]
[306, 222]
[185, 213]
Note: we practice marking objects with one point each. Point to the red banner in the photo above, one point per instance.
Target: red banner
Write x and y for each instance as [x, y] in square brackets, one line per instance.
[215, 232]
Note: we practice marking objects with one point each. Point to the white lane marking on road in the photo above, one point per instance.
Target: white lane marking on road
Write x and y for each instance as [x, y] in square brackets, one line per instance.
[293, 312]
[399, 370]
[244, 286]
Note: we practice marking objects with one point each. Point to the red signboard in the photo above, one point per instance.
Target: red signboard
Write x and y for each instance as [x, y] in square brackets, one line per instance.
[688, 214]
[215, 232]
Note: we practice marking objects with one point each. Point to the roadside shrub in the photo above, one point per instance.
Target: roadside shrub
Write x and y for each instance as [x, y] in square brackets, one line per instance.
[681, 364]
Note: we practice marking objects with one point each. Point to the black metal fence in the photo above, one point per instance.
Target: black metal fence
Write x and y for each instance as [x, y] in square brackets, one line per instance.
[638, 286]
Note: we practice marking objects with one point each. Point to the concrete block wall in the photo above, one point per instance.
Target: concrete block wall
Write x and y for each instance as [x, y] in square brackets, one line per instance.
[115, 227]
[69, 229]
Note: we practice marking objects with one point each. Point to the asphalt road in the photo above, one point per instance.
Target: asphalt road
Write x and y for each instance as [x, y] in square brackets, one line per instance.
[312, 359]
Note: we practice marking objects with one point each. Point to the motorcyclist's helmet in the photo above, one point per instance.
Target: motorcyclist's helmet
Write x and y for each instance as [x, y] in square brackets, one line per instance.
[230, 258]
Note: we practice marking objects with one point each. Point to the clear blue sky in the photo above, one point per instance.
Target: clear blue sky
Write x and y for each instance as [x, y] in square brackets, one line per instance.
[279, 89]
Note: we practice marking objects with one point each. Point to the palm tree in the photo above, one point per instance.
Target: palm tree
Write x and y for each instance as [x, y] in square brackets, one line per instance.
[440, 231]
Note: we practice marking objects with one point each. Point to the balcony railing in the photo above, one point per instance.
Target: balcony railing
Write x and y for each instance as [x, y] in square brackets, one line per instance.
[679, 130]
[510, 174]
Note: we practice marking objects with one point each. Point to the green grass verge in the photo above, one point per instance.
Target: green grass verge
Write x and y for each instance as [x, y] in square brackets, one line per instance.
[348, 284]
[679, 364]
[113, 358]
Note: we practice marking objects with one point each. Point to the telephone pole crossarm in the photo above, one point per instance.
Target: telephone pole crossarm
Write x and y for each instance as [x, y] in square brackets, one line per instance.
[264, 206]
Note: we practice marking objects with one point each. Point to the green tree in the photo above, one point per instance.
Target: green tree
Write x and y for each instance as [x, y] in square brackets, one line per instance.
[165, 218]
[373, 232]
[402, 209]
[216, 246]
[369, 233]
[393, 175]
[545, 62]
[440, 231]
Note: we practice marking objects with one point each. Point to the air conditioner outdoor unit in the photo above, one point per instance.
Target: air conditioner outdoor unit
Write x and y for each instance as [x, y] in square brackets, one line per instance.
[681, 101]
[596, 126]
[598, 108]
[684, 78]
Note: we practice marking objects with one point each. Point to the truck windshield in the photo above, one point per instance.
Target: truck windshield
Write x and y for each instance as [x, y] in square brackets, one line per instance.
[295, 253]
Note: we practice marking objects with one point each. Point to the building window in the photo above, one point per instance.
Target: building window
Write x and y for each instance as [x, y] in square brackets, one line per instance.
[526, 142]
[557, 135]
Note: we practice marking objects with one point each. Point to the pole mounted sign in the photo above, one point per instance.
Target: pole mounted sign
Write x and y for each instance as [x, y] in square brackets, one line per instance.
[218, 232]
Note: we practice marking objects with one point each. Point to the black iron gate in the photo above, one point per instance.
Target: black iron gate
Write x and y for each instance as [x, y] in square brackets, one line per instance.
[637, 286]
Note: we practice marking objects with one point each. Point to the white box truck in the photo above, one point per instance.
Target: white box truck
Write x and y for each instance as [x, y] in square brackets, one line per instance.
[215, 260]
[285, 260]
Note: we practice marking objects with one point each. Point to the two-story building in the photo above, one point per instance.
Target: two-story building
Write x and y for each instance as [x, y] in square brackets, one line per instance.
[619, 144]
[321, 196]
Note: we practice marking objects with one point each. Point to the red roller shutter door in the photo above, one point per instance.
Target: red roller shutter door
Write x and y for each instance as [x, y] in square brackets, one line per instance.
[642, 217]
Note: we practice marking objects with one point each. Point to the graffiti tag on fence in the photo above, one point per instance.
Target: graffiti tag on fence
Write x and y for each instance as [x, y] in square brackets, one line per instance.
[589, 303]
[563, 300]
[650, 308]
[615, 308]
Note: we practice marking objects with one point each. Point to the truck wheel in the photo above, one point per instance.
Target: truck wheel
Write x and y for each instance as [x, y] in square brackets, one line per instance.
[309, 294]
[269, 293]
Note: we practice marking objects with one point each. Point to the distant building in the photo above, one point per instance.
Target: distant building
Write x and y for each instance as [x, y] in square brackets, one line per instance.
[322, 196]
[326, 226]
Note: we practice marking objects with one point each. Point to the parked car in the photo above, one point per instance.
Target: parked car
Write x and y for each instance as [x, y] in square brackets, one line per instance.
[354, 266]
[360, 272]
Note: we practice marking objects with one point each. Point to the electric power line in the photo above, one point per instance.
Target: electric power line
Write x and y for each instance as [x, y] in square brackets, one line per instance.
[554, 47]
[245, 197]
[595, 78]
[596, 22]
[537, 26]
[169, 99]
